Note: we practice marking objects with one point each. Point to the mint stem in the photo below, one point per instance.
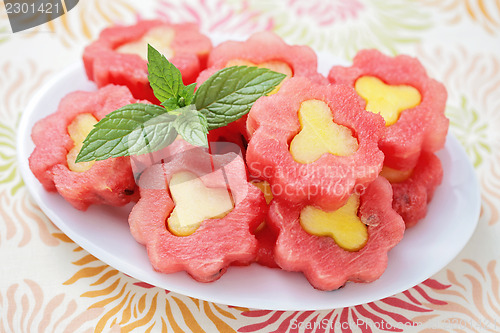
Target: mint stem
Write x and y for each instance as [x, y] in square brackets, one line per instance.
[182, 102]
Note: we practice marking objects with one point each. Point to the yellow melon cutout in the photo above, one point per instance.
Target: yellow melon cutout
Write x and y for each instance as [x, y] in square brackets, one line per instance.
[160, 38]
[195, 203]
[395, 176]
[78, 130]
[389, 101]
[265, 188]
[343, 224]
[274, 65]
[320, 134]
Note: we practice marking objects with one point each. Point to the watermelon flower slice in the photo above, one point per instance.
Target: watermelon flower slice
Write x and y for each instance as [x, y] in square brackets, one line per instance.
[118, 56]
[216, 243]
[328, 181]
[412, 195]
[108, 182]
[268, 50]
[419, 127]
[325, 264]
[264, 49]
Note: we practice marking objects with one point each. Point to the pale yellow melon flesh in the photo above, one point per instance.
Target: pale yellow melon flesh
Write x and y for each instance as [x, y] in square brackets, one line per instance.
[265, 188]
[160, 38]
[389, 101]
[274, 65]
[343, 224]
[319, 134]
[78, 130]
[195, 203]
[395, 176]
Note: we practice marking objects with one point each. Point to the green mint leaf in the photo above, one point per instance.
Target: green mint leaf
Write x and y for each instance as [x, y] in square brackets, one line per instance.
[155, 134]
[192, 126]
[164, 77]
[230, 93]
[171, 104]
[131, 130]
[203, 121]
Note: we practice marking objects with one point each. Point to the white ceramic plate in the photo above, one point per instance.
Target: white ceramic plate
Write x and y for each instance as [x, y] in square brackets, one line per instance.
[104, 232]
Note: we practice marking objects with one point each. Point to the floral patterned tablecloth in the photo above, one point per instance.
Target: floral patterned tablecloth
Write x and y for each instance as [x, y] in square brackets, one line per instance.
[50, 284]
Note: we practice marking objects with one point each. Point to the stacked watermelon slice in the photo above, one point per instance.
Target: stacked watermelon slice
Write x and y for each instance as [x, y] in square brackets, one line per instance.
[119, 55]
[108, 182]
[339, 166]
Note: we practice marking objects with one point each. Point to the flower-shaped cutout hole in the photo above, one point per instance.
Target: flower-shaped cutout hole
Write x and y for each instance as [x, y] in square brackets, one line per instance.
[320, 134]
[387, 100]
[160, 38]
[195, 203]
[343, 224]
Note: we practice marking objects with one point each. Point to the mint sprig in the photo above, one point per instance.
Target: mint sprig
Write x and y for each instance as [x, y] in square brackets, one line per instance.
[144, 128]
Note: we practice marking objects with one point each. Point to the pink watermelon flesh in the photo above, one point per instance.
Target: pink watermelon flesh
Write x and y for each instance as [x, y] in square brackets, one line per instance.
[412, 196]
[266, 238]
[228, 134]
